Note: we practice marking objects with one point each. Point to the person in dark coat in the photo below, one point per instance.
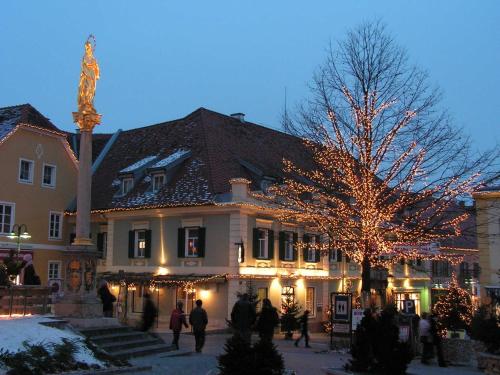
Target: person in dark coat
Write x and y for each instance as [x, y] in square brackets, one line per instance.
[198, 320]
[177, 320]
[304, 330]
[28, 274]
[268, 320]
[243, 317]
[149, 314]
[436, 341]
[107, 299]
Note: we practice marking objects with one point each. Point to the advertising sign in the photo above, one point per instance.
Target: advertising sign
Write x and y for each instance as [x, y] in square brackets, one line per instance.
[341, 304]
[357, 315]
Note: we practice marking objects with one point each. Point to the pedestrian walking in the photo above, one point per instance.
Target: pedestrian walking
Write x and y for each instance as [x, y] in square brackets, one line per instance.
[304, 330]
[198, 320]
[149, 314]
[424, 330]
[436, 341]
[268, 320]
[177, 320]
[28, 274]
[243, 317]
[107, 299]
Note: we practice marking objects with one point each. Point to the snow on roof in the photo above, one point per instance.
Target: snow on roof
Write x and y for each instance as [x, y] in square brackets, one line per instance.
[28, 328]
[170, 159]
[9, 118]
[138, 164]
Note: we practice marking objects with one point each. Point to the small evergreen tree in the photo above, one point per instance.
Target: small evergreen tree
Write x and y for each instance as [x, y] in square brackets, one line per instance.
[4, 277]
[267, 359]
[238, 357]
[289, 317]
[454, 310]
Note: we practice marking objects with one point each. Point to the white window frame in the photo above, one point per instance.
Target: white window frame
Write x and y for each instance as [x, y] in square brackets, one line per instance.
[31, 171]
[311, 250]
[53, 175]
[310, 305]
[12, 216]
[59, 268]
[288, 246]
[263, 250]
[139, 244]
[156, 185]
[122, 187]
[60, 214]
[186, 242]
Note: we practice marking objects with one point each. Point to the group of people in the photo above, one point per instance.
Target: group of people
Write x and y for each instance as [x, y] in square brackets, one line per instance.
[244, 318]
[429, 337]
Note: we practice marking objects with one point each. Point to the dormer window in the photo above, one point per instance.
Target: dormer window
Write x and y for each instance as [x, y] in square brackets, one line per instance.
[127, 185]
[158, 181]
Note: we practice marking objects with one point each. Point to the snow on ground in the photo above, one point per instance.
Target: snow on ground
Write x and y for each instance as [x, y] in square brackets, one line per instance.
[15, 330]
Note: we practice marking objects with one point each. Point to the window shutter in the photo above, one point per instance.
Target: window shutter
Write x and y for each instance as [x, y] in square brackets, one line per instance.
[131, 243]
[306, 240]
[181, 242]
[339, 256]
[100, 242]
[270, 244]
[317, 255]
[147, 249]
[255, 244]
[201, 242]
[295, 240]
[281, 243]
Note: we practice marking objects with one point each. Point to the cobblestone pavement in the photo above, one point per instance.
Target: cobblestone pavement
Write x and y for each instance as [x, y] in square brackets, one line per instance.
[303, 361]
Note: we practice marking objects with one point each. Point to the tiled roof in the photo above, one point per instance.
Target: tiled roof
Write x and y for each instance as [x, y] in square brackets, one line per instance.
[10, 117]
[217, 144]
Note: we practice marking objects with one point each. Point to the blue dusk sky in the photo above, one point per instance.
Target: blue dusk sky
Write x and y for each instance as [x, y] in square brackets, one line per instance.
[161, 60]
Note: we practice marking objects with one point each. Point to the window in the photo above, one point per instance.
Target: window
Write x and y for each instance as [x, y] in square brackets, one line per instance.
[441, 268]
[26, 171]
[55, 225]
[127, 185]
[54, 269]
[49, 175]
[140, 243]
[288, 246]
[6, 217]
[158, 181]
[102, 243]
[311, 250]
[192, 239]
[262, 237]
[310, 300]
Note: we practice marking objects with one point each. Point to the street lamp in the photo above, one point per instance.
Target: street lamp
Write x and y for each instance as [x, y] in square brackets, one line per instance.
[19, 231]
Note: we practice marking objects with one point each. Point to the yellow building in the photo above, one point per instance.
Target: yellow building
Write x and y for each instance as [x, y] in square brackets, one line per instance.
[38, 180]
[488, 234]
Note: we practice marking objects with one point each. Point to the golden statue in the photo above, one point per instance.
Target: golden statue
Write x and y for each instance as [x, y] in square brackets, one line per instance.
[88, 78]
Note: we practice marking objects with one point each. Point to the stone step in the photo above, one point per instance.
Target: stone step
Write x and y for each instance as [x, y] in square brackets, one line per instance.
[113, 347]
[143, 351]
[114, 337]
[99, 331]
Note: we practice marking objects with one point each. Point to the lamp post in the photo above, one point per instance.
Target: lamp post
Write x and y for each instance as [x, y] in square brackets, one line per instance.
[19, 231]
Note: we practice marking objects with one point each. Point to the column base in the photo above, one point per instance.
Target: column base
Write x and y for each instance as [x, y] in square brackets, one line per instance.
[81, 241]
[78, 309]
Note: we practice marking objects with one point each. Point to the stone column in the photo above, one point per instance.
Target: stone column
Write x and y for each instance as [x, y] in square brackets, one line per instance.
[80, 305]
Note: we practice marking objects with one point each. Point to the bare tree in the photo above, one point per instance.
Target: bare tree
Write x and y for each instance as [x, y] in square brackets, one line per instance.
[388, 163]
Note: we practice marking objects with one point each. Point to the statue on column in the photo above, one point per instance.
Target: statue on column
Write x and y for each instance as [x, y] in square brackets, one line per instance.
[88, 78]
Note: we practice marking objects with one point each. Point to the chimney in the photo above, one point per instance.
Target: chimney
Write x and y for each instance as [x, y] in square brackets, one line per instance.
[239, 116]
